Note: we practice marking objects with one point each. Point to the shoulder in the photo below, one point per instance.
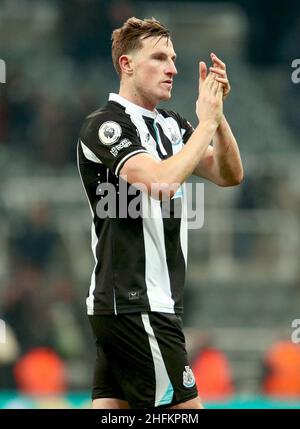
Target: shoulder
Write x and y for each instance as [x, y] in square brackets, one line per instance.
[108, 120]
[172, 114]
[181, 121]
[169, 114]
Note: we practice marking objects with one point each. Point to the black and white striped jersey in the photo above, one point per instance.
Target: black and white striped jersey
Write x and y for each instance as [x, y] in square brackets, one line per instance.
[140, 260]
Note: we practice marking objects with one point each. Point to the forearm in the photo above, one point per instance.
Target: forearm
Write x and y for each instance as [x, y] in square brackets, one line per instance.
[226, 154]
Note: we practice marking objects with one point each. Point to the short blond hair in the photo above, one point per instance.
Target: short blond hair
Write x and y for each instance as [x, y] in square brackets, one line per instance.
[129, 37]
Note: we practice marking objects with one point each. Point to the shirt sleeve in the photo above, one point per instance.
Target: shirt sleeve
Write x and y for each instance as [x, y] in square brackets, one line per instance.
[110, 141]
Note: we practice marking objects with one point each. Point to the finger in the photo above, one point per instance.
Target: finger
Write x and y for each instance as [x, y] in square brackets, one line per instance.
[217, 60]
[225, 85]
[215, 64]
[202, 71]
[202, 74]
[217, 71]
[223, 80]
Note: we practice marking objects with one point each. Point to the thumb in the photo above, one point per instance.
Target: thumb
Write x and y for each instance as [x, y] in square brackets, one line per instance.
[202, 73]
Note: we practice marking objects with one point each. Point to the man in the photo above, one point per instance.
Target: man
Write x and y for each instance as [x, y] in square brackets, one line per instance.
[135, 297]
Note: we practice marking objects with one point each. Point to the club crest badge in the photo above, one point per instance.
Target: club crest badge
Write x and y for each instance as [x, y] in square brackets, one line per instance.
[175, 139]
[109, 132]
[188, 377]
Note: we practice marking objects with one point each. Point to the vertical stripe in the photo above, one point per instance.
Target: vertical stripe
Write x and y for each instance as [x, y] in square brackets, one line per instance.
[164, 390]
[184, 224]
[156, 268]
[94, 239]
[90, 298]
[114, 290]
[115, 302]
[138, 120]
[181, 192]
[158, 140]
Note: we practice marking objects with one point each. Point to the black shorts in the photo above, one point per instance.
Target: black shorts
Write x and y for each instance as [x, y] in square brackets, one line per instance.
[141, 358]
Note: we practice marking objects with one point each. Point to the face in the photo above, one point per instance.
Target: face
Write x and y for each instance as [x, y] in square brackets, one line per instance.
[154, 70]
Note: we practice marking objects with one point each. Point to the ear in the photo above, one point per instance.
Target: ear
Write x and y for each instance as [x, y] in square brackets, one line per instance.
[126, 64]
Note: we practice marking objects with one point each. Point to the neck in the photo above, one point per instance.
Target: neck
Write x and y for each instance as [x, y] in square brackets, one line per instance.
[135, 97]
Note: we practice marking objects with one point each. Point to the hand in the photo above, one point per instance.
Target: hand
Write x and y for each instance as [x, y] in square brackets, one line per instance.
[219, 68]
[209, 106]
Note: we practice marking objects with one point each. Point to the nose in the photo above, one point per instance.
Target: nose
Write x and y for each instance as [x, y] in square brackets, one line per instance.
[171, 69]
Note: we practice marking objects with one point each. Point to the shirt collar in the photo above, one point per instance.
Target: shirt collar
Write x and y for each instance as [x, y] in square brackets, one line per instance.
[132, 106]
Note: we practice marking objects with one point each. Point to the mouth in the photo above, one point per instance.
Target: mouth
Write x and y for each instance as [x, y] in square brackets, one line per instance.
[168, 83]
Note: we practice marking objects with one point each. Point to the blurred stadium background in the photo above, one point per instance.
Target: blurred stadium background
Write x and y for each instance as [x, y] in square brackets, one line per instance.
[243, 285]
